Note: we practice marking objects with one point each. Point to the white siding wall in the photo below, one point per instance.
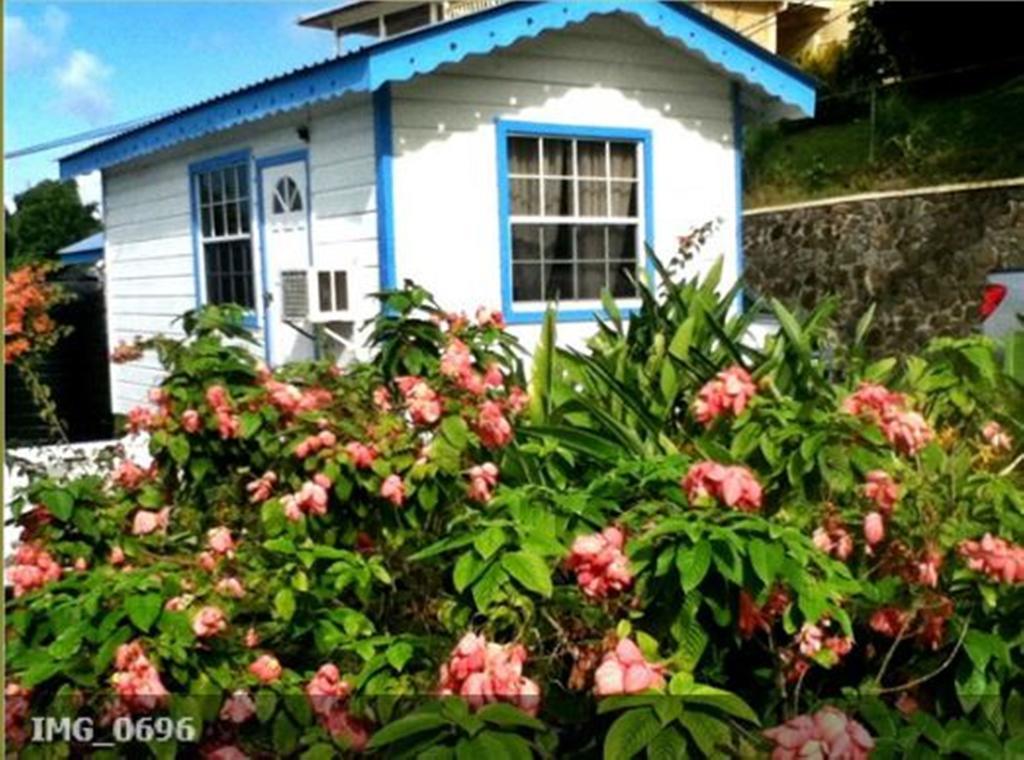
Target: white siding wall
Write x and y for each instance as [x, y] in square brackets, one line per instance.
[149, 249]
[608, 72]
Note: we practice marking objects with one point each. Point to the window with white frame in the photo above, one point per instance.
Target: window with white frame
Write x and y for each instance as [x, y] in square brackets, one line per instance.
[225, 234]
[575, 211]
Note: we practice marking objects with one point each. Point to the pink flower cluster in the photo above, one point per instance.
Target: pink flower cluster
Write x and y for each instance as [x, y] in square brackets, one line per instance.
[140, 419]
[33, 568]
[291, 400]
[191, 422]
[996, 557]
[907, 430]
[136, 681]
[16, 710]
[889, 621]
[230, 587]
[882, 490]
[601, 567]
[328, 694]
[457, 364]
[146, 521]
[260, 489]
[483, 673]
[996, 436]
[220, 541]
[310, 499]
[490, 318]
[362, 456]
[482, 479]
[493, 428]
[393, 489]
[238, 708]
[229, 425]
[834, 539]
[421, 400]
[625, 670]
[734, 486]
[130, 476]
[208, 622]
[266, 668]
[325, 439]
[728, 392]
[828, 734]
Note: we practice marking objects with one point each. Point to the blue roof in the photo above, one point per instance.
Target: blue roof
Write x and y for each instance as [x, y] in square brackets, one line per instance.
[422, 51]
[84, 251]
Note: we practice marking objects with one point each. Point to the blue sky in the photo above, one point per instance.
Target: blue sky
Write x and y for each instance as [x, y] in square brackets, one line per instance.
[71, 67]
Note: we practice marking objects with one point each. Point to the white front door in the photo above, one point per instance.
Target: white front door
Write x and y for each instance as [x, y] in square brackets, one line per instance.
[284, 207]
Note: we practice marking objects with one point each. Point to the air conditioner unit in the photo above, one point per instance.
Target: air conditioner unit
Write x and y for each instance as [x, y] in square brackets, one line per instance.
[315, 295]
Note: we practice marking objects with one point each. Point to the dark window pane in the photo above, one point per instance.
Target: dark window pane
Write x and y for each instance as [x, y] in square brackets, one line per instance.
[526, 197]
[620, 285]
[622, 242]
[557, 157]
[205, 213]
[230, 184]
[277, 207]
[526, 284]
[558, 282]
[623, 159]
[324, 286]
[523, 155]
[624, 198]
[590, 242]
[233, 226]
[243, 180]
[592, 158]
[558, 200]
[593, 198]
[218, 220]
[204, 188]
[591, 280]
[341, 290]
[525, 242]
[216, 187]
[229, 277]
[243, 212]
[558, 242]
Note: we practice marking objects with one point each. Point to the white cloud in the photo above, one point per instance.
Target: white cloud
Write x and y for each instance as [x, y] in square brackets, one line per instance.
[82, 82]
[26, 45]
[55, 21]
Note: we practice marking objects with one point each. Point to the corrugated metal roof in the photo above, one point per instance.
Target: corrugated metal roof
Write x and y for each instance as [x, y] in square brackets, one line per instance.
[85, 245]
[423, 50]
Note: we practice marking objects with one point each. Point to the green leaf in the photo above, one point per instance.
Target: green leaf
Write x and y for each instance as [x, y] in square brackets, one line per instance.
[707, 733]
[456, 431]
[487, 589]
[266, 703]
[144, 609]
[530, 570]
[67, 643]
[179, 448]
[542, 381]
[284, 604]
[667, 745]
[398, 654]
[693, 565]
[467, 569]
[285, 734]
[416, 723]
[59, 502]
[630, 733]
[505, 715]
[489, 541]
[251, 422]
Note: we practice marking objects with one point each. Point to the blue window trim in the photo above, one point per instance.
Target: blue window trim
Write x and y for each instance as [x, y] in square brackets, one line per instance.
[503, 129]
[266, 162]
[737, 144]
[383, 143]
[243, 156]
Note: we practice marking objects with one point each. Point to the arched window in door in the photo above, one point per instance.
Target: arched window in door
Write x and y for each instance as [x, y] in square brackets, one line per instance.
[287, 196]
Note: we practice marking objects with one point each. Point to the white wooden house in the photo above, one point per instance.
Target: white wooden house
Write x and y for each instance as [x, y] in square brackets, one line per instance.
[511, 156]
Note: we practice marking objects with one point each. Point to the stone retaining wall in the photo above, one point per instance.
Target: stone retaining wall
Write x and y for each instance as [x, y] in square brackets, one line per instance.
[922, 256]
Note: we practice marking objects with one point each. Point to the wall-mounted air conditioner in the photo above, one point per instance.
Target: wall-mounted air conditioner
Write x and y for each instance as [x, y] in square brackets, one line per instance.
[315, 295]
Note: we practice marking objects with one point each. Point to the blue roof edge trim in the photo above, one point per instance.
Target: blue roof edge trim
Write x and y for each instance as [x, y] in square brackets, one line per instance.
[422, 51]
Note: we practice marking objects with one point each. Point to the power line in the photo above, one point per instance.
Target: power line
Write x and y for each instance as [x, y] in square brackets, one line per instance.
[79, 137]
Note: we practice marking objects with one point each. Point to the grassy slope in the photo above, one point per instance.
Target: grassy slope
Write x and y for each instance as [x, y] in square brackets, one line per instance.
[919, 142]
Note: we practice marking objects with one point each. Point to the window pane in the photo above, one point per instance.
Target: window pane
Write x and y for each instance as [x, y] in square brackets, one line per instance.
[341, 290]
[218, 220]
[526, 197]
[591, 280]
[525, 242]
[205, 214]
[243, 212]
[624, 198]
[558, 242]
[557, 157]
[233, 226]
[526, 284]
[558, 282]
[593, 198]
[216, 187]
[623, 159]
[278, 207]
[558, 200]
[523, 155]
[324, 287]
[590, 242]
[592, 158]
[622, 242]
[230, 184]
[229, 276]
[243, 180]
[620, 284]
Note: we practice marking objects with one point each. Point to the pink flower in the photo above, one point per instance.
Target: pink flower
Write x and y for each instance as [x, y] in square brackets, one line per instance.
[828, 733]
[809, 639]
[227, 752]
[482, 479]
[393, 489]
[997, 558]
[176, 603]
[252, 639]
[81, 565]
[625, 670]
[147, 522]
[116, 556]
[228, 425]
[928, 568]
[996, 436]
[421, 400]
[16, 710]
[230, 587]
[136, 682]
[190, 421]
[518, 399]
[734, 486]
[220, 541]
[382, 399]
[456, 361]
[483, 673]
[874, 401]
[490, 318]
[266, 668]
[217, 398]
[208, 561]
[327, 690]
[209, 621]
[889, 621]
[260, 489]
[353, 732]
[130, 476]
[140, 419]
[362, 455]
[238, 708]
[492, 427]
[493, 377]
[882, 489]
[33, 568]
[600, 566]
[310, 499]
[834, 540]
[874, 528]
[907, 431]
[728, 393]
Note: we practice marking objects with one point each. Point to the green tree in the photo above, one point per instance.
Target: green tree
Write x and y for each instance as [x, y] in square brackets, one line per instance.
[49, 216]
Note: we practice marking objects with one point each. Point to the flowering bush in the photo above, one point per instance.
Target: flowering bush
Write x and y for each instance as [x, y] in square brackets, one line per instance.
[674, 544]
